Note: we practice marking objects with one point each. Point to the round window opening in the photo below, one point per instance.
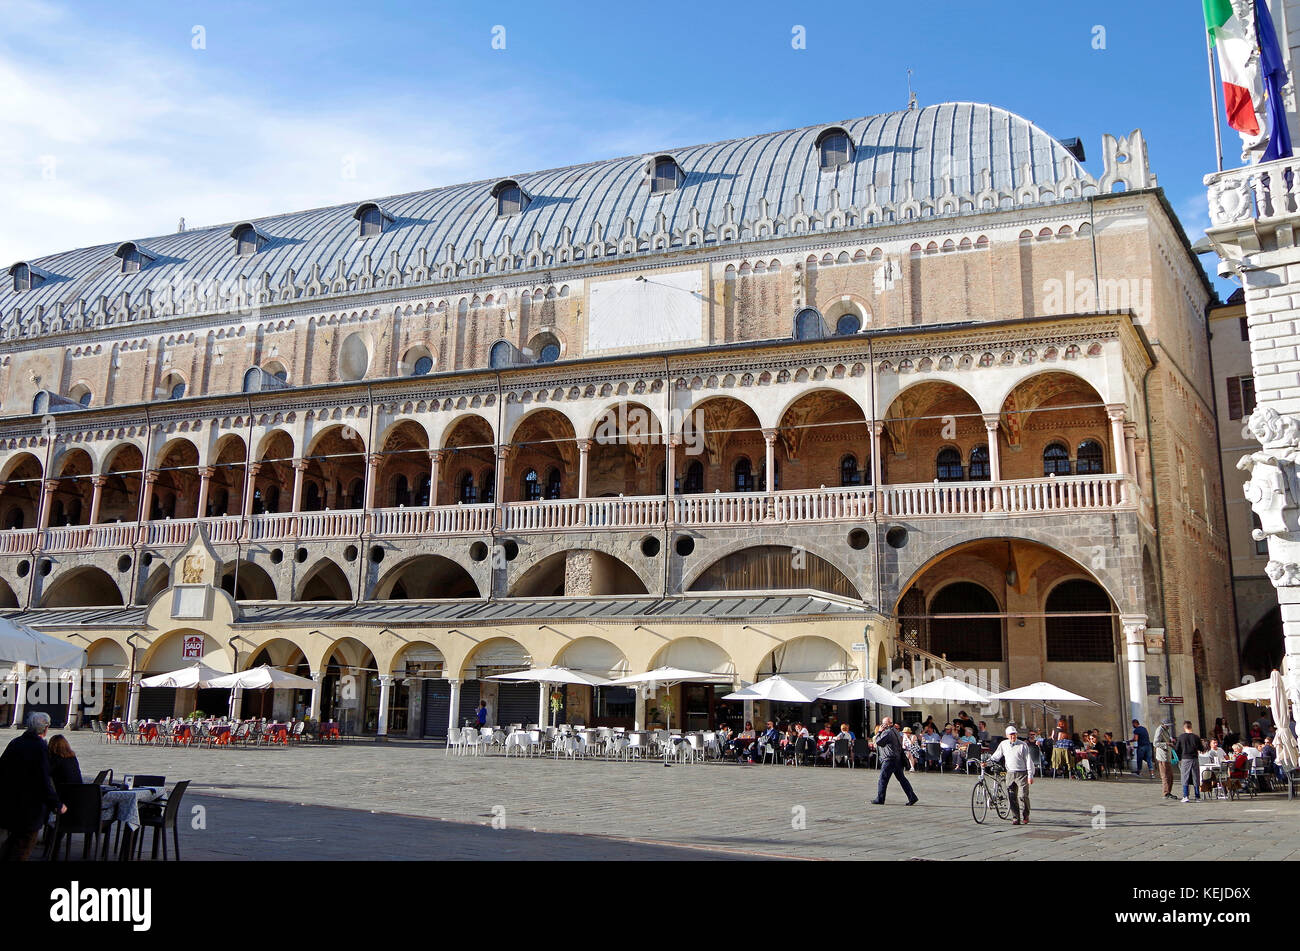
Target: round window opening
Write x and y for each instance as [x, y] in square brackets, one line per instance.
[859, 539]
[350, 553]
[848, 324]
[650, 546]
[422, 366]
[896, 537]
[684, 545]
[124, 563]
[478, 551]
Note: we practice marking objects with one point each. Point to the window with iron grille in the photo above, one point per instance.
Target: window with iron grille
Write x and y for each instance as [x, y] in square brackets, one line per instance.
[667, 176]
[1074, 639]
[965, 638]
[836, 149]
[532, 487]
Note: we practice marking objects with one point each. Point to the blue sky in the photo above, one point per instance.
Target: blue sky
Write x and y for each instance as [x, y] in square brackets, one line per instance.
[113, 125]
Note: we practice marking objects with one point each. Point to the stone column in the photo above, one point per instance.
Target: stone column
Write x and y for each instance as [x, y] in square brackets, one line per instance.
[638, 721]
[544, 705]
[769, 449]
[205, 486]
[1135, 628]
[299, 470]
[385, 692]
[584, 450]
[877, 455]
[453, 716]
[250, 488]
[20, 693]
[48, 488]
[499, 490]
[314, 712]
[372, 477]
[1119, 446]
[436, 459]
[74, 693]
[1130, 447]
[133, 699]
[995, 452]
[97, 484]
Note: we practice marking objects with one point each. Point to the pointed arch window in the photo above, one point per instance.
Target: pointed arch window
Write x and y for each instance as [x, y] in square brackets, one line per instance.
[850, 474]
[401, 491]
[489, 481]
[532, 487]
[466, 491]
[744, 475]
[1056, 460]
[694, 483]
[554, 484]
[947, 465]
[1090, 459]
[979, 464]
[422, 496]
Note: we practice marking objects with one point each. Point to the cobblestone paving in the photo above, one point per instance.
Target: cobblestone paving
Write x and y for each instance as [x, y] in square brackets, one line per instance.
[740, 810]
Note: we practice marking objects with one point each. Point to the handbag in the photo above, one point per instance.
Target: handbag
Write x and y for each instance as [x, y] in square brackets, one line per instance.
[1173, 756]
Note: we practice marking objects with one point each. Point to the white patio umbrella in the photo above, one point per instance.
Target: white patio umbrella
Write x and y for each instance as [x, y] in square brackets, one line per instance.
[1044, 693]
[552, 675]
[778, 689]
[1259, 692]
[866, 690]
[21, 644]
[947, 690]
[196, 675]
[668, 677]
[1284, 739]
[261, 678]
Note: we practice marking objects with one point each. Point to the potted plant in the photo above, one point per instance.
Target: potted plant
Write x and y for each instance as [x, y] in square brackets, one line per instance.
[557, 701]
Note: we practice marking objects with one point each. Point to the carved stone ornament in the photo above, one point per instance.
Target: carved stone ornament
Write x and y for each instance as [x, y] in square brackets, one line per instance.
[1274, 490]
[1230, 200]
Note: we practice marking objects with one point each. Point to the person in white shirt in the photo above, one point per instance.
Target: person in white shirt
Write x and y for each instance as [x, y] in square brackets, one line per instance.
[1013, 753]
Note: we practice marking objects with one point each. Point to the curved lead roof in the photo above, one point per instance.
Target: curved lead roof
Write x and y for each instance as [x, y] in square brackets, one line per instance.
[921, 148]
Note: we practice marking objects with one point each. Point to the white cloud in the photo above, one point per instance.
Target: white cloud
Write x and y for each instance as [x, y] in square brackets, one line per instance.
[103, 139]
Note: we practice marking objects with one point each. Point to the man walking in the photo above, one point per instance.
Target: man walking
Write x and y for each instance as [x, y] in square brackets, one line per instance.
[1189, 748]
[1013, 753]
[1165, 743]
[890, 750]
[26, 790]
[1142, 740]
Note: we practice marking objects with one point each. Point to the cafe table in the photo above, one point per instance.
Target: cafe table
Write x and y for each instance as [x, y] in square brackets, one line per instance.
[122, 805]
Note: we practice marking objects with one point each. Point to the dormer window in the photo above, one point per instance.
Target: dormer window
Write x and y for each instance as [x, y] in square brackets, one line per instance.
[133, 258]
[373, 219]
[26, 277]
[666, 176]
[511, 199]
[248, 240]
[836, 148]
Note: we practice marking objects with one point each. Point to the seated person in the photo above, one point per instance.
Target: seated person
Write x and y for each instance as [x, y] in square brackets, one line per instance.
[983, 735]
[911, 748]
[967, 746]
[824, 736]
[743, 744]
[768, 739]
[1238, 768]
[948, 746]
[788, 739]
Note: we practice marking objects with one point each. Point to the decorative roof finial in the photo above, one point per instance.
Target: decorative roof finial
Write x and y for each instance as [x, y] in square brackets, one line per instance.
[911, 96]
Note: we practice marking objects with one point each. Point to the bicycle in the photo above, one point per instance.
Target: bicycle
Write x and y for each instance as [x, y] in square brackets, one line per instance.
[988, 789]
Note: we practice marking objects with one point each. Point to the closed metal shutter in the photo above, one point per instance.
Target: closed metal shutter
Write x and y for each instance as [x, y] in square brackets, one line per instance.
[517, 703]
[156, 703]
[437, 706]
[469, 697]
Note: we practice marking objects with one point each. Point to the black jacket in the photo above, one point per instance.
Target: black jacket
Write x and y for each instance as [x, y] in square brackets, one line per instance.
[26, 790]
[65, 769]
[888, 745]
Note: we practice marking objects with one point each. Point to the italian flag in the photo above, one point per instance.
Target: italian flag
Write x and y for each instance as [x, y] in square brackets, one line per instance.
[1243, 88]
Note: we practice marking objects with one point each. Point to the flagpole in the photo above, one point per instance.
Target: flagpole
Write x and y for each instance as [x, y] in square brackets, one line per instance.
[1214, 99]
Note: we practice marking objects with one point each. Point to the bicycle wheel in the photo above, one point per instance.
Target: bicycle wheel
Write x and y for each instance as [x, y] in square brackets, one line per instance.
[979, 802]
[1000, 801]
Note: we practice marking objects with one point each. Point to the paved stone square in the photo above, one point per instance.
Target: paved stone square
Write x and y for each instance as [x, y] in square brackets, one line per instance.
[362, 800]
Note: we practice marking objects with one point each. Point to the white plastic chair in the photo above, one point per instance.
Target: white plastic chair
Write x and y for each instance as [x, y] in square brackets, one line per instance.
[453, 741]
[472, 740]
